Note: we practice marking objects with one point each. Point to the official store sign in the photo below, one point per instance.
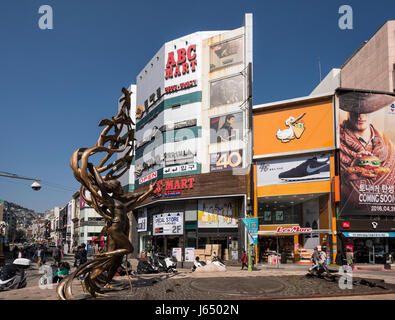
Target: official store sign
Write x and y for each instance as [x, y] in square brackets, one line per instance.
[168, 224]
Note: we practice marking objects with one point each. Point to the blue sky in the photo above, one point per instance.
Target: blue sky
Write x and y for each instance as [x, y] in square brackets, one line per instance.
[56, 85]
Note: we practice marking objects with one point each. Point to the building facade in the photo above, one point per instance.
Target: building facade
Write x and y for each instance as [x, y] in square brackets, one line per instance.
[192, 133]
[372, 66]
[294, 154]
[366, 225]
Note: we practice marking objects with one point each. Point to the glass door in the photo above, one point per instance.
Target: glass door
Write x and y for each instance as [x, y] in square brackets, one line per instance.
[371, 254]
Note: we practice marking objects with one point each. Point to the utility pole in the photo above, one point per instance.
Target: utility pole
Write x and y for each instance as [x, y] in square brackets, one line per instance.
[251, 213]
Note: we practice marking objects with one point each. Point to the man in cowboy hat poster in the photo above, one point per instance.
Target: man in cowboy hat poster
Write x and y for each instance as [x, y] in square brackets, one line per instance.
[367, 155]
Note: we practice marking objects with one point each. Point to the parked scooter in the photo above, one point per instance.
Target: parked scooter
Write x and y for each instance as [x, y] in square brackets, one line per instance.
[13, 275]
[197, 264]
[167, 264]
[121, 271]
[146, 266]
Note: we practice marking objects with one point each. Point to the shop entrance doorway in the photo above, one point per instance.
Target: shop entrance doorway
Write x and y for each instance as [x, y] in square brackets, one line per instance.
[368, 250]
[282, 245]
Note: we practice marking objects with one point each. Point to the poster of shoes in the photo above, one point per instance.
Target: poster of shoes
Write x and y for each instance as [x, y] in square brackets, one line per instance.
[293, 170]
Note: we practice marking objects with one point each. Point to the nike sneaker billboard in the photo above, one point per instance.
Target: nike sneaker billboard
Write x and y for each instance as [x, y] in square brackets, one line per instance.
[293, 170]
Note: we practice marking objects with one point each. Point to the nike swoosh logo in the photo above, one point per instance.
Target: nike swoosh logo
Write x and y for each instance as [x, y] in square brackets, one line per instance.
[311, 170]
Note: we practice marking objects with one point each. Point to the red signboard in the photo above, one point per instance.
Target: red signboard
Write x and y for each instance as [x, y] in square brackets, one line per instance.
[169, 186]
[346, 225]
[180, 62]
[293, 230]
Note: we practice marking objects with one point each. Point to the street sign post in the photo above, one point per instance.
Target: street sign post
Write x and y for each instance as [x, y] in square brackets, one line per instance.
[251, 224]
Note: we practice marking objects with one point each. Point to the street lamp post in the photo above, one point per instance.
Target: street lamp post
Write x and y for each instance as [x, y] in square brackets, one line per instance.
[35, 186]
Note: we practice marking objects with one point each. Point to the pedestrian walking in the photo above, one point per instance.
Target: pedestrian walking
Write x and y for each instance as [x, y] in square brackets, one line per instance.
[57, 255]
[77, 257]
[83, 254]
[349, 259]
[316, 259]
[40, 256]
[244, 260]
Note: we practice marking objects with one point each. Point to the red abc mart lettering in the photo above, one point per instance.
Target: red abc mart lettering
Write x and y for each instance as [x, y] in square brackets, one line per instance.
[180, 62]
[181, 86]
[295, 229]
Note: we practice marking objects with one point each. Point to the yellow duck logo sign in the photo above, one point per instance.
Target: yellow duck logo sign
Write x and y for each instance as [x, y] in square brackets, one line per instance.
[295, 129]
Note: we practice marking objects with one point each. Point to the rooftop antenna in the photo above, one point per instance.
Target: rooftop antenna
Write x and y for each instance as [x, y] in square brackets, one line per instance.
[319, 67]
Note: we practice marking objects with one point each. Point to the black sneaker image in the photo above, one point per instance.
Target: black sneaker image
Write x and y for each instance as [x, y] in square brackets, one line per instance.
[309, 170]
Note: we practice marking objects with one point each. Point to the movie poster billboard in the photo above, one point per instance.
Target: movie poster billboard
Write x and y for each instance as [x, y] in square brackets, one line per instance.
[226, 53]
[217, 213]
[367, 153]
[225, 128]
[227, 91]
[294, 170]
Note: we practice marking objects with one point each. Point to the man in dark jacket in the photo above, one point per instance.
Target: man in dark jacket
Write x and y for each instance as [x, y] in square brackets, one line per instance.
[83, 254]
[57, 255]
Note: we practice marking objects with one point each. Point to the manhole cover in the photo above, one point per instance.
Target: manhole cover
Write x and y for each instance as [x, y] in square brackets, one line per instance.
[238, 286]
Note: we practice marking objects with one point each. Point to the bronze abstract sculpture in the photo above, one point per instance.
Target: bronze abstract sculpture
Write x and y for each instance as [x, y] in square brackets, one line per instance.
[107, 198]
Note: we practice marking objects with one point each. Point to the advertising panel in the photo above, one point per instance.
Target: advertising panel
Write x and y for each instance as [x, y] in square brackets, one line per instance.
[168, 224]
[226, 128]
[228, 160]
[226, 91]
[189, 254]
[177, 253]
[293, 170]
[179, 169]
[226, 53]
[217, 213]
[294, 129]
[367, 153]
[142, 220]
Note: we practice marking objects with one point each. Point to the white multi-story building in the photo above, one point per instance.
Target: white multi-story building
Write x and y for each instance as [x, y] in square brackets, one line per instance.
[192, 104]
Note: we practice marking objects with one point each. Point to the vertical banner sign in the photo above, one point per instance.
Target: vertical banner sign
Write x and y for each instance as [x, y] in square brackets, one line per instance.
[251, 225]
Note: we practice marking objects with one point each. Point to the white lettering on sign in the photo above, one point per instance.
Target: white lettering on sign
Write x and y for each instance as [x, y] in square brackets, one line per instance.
[295, 229]
[149, 177]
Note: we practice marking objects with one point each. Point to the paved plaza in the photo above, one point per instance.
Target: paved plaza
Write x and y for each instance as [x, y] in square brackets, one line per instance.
[287, 281]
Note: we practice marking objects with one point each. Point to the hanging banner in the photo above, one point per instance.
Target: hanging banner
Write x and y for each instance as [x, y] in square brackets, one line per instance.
[252, 225]
[217, 213]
